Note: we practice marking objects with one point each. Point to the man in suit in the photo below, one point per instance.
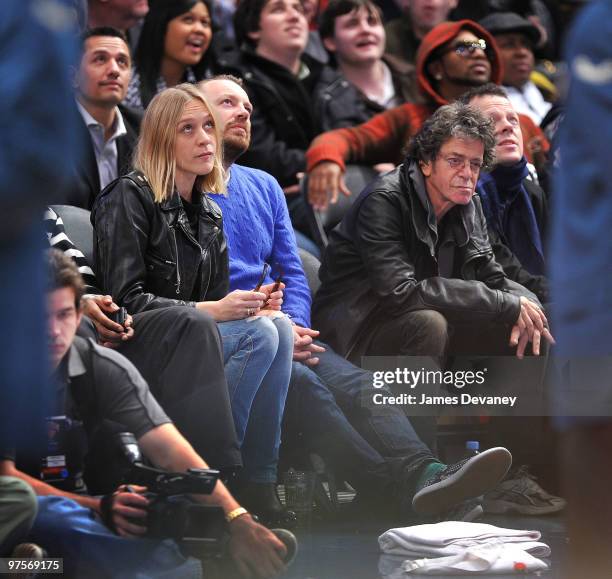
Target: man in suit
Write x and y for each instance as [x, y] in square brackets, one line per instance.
[108, 130]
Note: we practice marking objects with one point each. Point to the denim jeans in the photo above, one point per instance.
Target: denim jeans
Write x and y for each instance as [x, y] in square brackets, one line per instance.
[375, 447]
[307, 244]
[89, 549]
[257, 352]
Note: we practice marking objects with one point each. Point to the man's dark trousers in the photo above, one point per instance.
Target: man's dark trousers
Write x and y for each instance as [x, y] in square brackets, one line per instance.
[179, 353]
[375, 447]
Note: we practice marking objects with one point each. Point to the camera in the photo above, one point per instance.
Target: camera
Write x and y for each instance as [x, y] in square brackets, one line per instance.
[172, 514]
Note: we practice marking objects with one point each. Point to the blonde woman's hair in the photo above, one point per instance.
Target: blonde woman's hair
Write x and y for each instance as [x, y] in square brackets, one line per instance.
[155, 152]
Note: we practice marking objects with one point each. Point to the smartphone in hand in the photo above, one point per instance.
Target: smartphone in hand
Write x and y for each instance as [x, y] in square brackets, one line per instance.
[262, 277]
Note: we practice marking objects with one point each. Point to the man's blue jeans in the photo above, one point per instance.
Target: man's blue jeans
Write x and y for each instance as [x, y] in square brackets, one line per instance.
[257, 352]
[376, 447]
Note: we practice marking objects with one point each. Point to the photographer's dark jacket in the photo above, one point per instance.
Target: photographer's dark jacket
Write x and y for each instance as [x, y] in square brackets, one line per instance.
[146, 254]
[385, 259]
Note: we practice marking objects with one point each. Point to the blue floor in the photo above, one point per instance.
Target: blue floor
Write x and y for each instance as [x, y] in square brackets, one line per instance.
[342, 551]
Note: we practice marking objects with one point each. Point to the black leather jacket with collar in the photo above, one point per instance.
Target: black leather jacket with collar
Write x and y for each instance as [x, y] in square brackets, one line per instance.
[146, 255]
[385, 259]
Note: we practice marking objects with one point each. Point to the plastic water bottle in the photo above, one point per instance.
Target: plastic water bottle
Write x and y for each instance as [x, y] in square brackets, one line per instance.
[472, 448]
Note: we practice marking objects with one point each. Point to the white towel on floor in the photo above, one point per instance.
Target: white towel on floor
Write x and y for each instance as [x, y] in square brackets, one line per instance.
[454, 537]
[489, 559]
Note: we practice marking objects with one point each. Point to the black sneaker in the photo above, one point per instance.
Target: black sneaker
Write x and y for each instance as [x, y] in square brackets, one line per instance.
[469, 478]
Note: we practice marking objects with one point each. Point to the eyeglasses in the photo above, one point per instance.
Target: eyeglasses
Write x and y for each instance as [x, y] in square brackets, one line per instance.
[466, 48]
[456, 163]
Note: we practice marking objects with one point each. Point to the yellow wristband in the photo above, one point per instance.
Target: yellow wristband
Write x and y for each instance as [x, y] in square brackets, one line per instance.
[235, 514]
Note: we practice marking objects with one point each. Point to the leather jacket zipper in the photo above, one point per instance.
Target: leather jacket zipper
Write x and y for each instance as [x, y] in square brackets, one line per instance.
[178, 269]
[210, 272]
[187, 231]
[208, 276]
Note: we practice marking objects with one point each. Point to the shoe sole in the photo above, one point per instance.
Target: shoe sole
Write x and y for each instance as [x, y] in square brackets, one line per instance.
[503, 507]
[476, 477]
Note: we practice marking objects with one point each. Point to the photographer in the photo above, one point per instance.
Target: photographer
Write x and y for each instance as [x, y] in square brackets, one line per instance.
[100, 387]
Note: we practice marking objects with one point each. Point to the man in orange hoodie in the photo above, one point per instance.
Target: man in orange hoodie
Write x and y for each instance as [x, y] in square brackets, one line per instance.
[453, 57]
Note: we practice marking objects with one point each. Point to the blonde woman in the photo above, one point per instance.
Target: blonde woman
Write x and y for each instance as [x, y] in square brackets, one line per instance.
[160, 243]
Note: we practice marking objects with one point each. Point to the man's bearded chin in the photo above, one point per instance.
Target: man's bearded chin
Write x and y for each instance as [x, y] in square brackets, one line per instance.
[233, 147]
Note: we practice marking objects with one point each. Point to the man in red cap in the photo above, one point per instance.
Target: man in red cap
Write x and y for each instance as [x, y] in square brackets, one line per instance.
[453, 57]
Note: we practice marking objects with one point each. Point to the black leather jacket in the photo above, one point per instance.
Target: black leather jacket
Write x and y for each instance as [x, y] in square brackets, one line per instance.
[385, 259]
[146, 255]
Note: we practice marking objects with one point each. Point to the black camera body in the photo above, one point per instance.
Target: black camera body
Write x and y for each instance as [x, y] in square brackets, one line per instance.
[183, 520]
[171, 513]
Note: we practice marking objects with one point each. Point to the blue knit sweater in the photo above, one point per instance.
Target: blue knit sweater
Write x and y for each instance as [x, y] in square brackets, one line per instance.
[258, 229]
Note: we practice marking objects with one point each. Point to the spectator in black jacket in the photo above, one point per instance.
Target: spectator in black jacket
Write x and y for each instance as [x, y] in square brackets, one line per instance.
[410, 269]
[352, 31]
[108, 130]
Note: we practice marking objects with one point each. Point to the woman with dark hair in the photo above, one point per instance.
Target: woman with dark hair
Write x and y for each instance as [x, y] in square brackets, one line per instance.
[160, 243]
[173, 48]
